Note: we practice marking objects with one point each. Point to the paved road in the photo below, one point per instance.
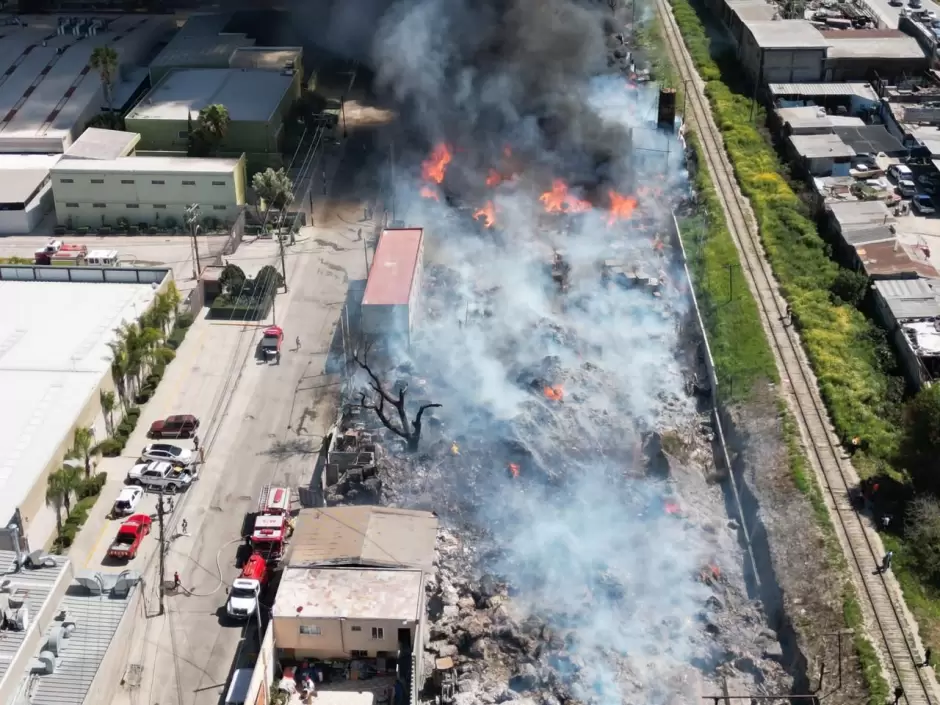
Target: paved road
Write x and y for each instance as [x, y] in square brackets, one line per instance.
[267, 430]
[888, 13]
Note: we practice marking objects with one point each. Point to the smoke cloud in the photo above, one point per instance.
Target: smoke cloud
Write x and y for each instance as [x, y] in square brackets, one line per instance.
[581, 533]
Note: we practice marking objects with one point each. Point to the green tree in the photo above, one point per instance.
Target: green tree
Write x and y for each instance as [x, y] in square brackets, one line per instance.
[104, 60]
[107, 121]
[82, 444]
[273, 187]
[61, 484]
[232, 280]
[920, 446]
[213, 126]
[108, 404]
[849, 286]
[119, 367]
[922, 531]
[267, 281]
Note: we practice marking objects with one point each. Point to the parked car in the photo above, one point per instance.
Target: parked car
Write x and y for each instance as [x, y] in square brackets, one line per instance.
[159, 475]
[129, 537]
[896, 3]
[170, 453]
[899, 172]
[923, 204]
[907, 188]
[914, 3]
[127, 501]
[925, 179]
[179, 426]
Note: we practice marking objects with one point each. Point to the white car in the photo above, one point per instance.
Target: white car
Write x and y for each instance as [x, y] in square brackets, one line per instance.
[127, 501]
[159, 475]
[168, 452]
[907, 188]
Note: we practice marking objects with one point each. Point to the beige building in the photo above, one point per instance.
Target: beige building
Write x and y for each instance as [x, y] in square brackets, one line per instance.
[146, 191]
[354, 587]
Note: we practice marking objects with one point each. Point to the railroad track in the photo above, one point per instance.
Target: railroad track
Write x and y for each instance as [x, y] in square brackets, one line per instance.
[889, 625]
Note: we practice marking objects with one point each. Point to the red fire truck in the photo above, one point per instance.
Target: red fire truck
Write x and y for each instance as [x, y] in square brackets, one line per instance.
[270, 525]
[247, 588]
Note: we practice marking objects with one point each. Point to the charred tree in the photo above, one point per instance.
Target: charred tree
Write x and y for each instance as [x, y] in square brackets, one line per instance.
[410, 431]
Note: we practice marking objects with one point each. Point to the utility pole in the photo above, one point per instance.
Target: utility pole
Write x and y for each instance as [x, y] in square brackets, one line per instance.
[280, 241]
[162, 550]
[192, 221]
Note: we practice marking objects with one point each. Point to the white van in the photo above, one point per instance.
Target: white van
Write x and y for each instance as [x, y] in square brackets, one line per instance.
[900, 172]
[103, 258]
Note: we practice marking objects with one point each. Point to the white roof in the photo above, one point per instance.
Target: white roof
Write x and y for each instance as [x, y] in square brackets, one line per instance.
[53, 355]
[22, 175]
[249, 95]
[46, 118]
[146, 165]
[96, 143]
[332, 593]
[787, 34]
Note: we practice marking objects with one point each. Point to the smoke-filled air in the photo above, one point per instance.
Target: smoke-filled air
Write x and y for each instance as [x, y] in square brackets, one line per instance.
[551, 330]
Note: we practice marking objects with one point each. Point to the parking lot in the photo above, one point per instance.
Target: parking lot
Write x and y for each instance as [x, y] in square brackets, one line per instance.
[919, 231]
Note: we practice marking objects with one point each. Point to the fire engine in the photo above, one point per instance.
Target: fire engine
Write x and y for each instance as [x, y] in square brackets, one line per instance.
[271, 526]
[246, 590]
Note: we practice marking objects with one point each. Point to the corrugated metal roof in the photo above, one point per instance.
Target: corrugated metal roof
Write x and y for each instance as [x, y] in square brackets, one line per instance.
[860, 214]
[37, 584]
[890, 260]
[366, 536]
[96, 620]
[866, 236]
[862, 90]
[393, 267]
[909, 298]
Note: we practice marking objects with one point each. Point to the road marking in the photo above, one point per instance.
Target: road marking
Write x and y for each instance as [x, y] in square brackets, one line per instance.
[94, 548]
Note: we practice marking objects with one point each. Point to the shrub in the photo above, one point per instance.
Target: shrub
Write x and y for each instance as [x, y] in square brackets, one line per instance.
[144, 395]
[922, 534]
[184, 320]
[133, 413]
[920, 449]
[111, 447]
[91, 487]
[66, 537]
[164, 356]
[126, 427]
[176, 338]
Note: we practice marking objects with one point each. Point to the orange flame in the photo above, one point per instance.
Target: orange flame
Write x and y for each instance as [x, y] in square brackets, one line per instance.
[558, 200]
[494, 178]
[620, 207]
[435, 167]
[428, 192]
[514, 470]
[487, 213]
[555, 392]
[672, 508]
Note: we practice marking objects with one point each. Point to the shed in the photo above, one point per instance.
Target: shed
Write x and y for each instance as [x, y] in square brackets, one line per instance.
[853, 53]
[391, 298]
[891, 260]
[858, 215]
[907, 299]
[870, 139]
[782, 51]
[822, 155]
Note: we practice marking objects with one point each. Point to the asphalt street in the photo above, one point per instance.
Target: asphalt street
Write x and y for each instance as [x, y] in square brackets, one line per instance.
[889, 13]
[261, 423]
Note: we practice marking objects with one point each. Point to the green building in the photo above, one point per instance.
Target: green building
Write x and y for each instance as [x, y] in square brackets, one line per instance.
[257, 101]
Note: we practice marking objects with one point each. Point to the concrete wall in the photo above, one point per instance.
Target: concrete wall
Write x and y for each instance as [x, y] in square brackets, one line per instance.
[38, 623]
[84, 199]
[259, 690]
[173, 135]
[338, 638]
[22, 222]
[781, 65]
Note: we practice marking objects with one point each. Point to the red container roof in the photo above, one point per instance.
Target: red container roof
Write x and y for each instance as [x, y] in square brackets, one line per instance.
[392, 274]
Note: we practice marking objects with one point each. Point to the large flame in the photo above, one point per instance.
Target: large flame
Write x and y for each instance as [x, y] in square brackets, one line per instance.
[514, 469]
[559, 200]
[494, 178]
[428, 192]
[487, 213]
[621, 207]
[435, 167]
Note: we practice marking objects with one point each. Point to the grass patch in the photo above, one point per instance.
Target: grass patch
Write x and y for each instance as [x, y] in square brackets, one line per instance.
[743, 357]
[845, 348]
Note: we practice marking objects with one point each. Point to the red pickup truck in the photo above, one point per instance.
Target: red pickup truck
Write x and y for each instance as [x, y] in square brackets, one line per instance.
[129, 536]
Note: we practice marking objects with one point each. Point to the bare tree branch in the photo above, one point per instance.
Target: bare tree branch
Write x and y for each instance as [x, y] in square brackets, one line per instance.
[380, 412]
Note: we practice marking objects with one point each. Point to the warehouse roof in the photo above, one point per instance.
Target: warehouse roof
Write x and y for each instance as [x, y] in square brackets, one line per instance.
[96, 143]
[270, 58]
[889, 260]
[364, 536]
[45, 94]
[786, 34]
[860, 214]
[908, 299]
[147, 165]
[856, 237]
[863, 45]
[808, 90]
[201, 42]
[249, 95]
[826, 146]
[394, 267]
[53, 354]
[23, 176]
[334, 593]
[753, 10]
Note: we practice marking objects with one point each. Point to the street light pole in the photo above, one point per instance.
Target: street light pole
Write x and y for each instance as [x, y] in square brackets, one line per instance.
[192, 219]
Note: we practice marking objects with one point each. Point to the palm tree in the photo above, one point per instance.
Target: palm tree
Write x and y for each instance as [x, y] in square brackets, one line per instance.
[70, 479]
[173, 297]
[104, 60]
[82, 446]
[213, 125]
[108, 403]
[56, 491]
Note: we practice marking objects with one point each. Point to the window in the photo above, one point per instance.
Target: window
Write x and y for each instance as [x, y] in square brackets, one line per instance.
[310, 630]
[182, 134]
[66, 181]
[219, 208]
[71, 205]
[356, 653]
[127, 181]
[218, 183]
[97, 181]
[158, 182]
[99, 205]
[159, 205]
[378, 633]
[132, 205]
[355, 629]
[189, 183]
